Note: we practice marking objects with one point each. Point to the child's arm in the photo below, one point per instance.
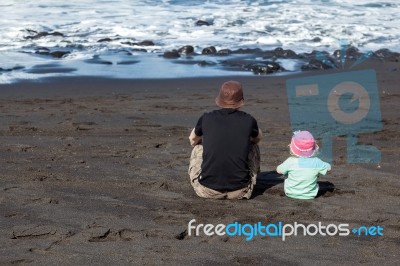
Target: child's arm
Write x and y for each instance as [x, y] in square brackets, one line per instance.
[278, 170]
[328, 166]
[283, 168]
[325, 168]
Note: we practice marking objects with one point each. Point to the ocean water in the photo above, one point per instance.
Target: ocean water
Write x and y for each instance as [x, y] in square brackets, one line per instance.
[77, 27]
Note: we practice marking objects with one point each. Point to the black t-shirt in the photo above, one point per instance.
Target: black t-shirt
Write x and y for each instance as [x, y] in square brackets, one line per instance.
[226, 142]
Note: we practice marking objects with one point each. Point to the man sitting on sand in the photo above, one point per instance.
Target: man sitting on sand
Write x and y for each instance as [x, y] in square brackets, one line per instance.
[225, 159]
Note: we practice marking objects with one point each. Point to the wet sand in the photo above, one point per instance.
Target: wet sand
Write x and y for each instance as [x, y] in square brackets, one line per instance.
[94, 171]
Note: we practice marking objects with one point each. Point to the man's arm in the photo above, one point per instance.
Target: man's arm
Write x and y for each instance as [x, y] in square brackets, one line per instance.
[258, 138]
[194, 139]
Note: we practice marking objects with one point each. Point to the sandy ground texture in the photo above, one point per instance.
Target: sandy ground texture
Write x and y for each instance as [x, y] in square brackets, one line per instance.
[94, 171]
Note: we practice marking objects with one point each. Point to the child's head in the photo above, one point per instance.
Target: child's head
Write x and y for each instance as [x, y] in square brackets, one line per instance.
[303, 144]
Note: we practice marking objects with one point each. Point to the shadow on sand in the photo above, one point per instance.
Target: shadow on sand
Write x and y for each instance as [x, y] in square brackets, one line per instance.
[267, 180]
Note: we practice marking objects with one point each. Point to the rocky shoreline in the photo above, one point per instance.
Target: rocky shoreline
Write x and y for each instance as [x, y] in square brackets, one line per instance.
[252, 60]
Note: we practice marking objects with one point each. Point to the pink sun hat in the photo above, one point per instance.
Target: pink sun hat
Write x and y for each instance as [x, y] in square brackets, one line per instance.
[303, 144]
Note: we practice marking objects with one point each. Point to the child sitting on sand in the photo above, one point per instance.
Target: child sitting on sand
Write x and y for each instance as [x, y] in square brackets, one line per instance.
[303, 167]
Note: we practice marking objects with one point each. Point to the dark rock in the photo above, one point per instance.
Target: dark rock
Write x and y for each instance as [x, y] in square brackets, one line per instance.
[351, 53]
[56, 33]
[315, 64]
[282, 53]
[247, 51]
[264, 68]
[192, 62]
[146, 43]
[129, 43]
[314, 54]
[327, 61]
[387, 55]
[224, 52]
[320, 58]
[37, 36]
[187, 49]
[202, 23]
[44, 34]
[46, 51]
[317, 39]
[272, 54]
[105, 40]
[58, 54]
[382, 53]
[209, 50]
[142, 43]
[171, 54]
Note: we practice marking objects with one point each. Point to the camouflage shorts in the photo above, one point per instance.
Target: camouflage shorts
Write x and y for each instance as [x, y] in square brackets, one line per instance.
[196, 159]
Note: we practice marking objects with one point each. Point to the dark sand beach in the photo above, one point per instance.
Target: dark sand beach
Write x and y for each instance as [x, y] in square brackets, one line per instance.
[94, 172]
